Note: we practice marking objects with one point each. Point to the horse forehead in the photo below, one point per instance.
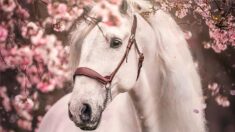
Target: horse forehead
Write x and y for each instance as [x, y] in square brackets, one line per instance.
[118, 31]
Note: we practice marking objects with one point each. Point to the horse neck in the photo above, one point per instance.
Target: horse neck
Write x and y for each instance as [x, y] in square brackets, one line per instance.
[144, 93]
[145, 104]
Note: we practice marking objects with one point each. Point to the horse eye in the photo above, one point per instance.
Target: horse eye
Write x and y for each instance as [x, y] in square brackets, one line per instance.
[115, 43]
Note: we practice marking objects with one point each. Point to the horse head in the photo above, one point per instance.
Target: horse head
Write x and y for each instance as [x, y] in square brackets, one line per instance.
[109, 63]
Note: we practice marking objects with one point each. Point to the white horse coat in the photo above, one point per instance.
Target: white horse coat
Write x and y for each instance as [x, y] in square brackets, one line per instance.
[166, 98]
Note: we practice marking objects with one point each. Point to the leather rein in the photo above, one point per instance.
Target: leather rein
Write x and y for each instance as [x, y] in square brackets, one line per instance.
[107, 80]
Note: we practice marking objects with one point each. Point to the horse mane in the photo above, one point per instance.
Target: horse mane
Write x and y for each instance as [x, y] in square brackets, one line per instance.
[75, 42]
[181, 98]
[181, 85]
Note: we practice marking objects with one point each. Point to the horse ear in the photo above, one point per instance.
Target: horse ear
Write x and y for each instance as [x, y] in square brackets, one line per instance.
[123, 7]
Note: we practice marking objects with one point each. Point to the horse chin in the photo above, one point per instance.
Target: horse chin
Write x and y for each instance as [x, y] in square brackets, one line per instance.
[90, 125]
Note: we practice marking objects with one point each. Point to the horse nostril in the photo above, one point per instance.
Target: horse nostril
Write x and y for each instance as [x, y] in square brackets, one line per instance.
[70, 115]
[85, 114]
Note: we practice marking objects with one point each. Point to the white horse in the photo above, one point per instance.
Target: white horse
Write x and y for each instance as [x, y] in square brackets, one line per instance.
[167, 96]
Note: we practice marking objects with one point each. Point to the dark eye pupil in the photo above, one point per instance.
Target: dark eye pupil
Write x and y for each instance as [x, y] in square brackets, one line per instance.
[115, 43]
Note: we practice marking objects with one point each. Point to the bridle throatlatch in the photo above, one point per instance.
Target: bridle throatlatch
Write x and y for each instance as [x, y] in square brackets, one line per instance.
[107, 80]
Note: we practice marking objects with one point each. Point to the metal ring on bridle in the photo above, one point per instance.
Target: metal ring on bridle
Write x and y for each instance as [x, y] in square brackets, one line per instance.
[108, 85]
[132, 37]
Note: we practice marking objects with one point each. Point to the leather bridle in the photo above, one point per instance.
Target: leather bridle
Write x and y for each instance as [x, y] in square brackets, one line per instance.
[107, 80]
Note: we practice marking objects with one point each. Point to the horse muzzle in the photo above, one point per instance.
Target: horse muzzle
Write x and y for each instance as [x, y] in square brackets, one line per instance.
[86, 117]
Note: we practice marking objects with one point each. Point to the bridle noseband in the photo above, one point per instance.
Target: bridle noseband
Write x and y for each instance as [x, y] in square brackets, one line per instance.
[107, 80]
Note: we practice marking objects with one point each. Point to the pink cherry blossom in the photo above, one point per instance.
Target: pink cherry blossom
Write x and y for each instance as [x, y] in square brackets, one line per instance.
[57, 9]
[31, 29]
[232, 92]
[188, 35]
[206, 45]
[223, 101]
[7, 5]
[6, 100]
[3, 33]
[59, 26]
[115, 2]
[22, 13]
[214, 88]
[45, 86]
[27, 125]
[23, 103]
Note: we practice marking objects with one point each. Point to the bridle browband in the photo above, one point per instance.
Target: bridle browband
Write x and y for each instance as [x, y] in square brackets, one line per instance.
[107, 80]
